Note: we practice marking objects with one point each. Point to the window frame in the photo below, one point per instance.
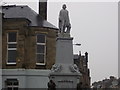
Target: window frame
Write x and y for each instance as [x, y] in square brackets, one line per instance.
[44, 49]
[11, 49]
[12, 85]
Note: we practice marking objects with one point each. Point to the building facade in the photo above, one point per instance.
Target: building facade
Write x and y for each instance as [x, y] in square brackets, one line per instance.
[27, 43]
[28, 47]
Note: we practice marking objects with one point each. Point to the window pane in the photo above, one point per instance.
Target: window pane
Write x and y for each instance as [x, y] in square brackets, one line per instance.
[12, 84]
[12, 36]
[40, 48]
[40, 38]
[15, 88]
[11, 45]
[9, 88]
[40, 58]
[11, 56]
[15, 83]
[9, 83]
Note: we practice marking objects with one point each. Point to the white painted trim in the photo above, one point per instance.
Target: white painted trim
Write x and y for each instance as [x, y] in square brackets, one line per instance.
[11, 48]
[11, 63]
[44, 49]
[40, 63]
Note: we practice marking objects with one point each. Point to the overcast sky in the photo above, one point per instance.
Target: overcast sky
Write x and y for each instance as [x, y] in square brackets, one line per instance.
[95, 26]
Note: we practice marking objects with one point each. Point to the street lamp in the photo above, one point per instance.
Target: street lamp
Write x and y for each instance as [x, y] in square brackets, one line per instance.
[77, 44]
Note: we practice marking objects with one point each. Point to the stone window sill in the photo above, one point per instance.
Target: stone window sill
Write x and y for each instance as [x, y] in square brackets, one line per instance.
[40, 64]
[11, 64]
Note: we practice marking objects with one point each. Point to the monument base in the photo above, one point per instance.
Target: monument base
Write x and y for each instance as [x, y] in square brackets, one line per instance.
[65, 75]
[63, 35]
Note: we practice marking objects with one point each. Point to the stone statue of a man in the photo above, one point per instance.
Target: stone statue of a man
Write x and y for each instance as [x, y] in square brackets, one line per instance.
[64, 21]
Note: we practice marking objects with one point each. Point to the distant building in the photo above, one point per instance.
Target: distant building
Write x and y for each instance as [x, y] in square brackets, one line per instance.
[112, 82]
[82, 62]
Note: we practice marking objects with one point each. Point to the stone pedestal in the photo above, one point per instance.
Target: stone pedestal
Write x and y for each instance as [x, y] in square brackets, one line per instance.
[64, 73]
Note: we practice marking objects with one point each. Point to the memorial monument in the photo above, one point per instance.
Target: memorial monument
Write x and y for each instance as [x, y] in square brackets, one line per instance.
[64, 72]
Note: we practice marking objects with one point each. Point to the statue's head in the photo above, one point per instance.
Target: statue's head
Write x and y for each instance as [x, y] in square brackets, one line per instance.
[64, 6]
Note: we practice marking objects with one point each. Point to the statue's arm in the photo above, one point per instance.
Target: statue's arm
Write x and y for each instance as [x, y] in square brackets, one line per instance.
[68, 14]
[60, 16]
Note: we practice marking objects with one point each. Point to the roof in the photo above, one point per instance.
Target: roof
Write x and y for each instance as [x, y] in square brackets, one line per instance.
[26, 12]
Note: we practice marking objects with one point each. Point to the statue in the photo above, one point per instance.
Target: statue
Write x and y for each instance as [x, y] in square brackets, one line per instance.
[64, 21]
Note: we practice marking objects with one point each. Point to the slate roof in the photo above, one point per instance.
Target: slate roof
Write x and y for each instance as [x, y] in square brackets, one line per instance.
[26, 12]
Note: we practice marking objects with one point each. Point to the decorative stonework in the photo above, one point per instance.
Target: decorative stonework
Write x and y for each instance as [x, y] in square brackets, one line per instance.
[67, 81]
[74, 69]
[56, 68]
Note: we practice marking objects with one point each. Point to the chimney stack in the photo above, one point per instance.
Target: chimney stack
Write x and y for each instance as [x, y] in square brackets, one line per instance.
[86, 56]
[43, 8]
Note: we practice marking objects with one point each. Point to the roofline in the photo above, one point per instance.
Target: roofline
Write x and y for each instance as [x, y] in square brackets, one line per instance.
[15, 6]
[10, 6]
[30, 22]
[17, 18]
[45, 27]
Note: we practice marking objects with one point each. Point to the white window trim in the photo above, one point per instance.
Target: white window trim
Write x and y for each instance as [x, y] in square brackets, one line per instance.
[12, 49]
[41, 53]
[12, 86]
[11, 42]
[40, 63]
[41, 43]
[11, 63]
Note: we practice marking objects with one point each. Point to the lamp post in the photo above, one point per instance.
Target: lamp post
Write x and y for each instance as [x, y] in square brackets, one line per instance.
[77, 44]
